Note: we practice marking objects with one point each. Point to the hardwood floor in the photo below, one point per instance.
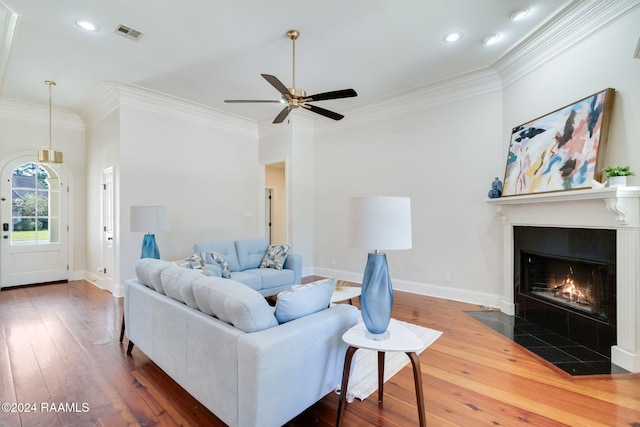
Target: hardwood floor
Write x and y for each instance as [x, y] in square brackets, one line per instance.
[59, 346]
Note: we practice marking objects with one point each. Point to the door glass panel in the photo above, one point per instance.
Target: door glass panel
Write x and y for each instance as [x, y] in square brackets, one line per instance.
[35, 205]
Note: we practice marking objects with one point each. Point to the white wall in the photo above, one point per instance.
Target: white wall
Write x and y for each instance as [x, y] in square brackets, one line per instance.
[207, 177]
[292, 142]
[205, 168]
[444, 158]
[603, 60]
[103, 147]
[454, 231]
[26, 128]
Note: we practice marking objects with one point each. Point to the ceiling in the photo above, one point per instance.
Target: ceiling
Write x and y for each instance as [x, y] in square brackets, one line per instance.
[206, 51]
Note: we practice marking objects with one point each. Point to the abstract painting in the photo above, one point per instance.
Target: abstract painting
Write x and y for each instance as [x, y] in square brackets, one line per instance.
[561, 150]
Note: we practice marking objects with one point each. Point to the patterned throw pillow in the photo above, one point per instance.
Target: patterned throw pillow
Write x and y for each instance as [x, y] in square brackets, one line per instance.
[275, 256]
[216, 258]
[194, 262]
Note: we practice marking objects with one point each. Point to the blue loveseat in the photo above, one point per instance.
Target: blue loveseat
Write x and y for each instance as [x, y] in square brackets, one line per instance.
[243, 257]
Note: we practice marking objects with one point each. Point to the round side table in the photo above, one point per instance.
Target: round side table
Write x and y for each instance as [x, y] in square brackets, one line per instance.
[400, 339]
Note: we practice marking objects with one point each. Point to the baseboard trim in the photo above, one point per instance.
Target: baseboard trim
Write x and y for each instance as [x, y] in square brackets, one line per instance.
[456, 294]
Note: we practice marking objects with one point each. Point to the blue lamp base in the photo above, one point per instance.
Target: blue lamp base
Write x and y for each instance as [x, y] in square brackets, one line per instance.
[376, 300]
[149, 247]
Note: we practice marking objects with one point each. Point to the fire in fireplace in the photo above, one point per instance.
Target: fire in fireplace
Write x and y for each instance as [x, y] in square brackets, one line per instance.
[575, 284]
[565, 281]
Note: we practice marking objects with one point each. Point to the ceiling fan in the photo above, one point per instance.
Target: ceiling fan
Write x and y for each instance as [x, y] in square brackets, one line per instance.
[295, 97]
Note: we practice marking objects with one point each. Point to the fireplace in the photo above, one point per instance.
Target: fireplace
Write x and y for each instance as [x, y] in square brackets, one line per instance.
[615, 210]
[565, 280]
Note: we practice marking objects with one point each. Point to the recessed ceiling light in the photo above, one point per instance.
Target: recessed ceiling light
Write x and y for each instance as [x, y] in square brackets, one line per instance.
[493, 39]
[518, 14]
[453, 37]
[86, 25]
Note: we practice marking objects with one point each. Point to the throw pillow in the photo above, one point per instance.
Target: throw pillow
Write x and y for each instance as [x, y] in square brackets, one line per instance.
[275, 256]
[194, 262]
[304, 300]
[213, 257]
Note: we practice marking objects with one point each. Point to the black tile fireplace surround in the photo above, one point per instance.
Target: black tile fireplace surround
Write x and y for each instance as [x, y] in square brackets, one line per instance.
[559, 254]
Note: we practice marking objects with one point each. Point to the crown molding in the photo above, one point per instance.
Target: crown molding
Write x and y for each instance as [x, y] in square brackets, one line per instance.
[459, 87]
[111, 95]
[98, 104]
[39, 114]
[575, 21]
[572, 23]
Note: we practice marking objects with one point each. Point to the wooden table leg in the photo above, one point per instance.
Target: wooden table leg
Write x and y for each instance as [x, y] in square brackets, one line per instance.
[380, 375]
[345, 383]
[417, 378]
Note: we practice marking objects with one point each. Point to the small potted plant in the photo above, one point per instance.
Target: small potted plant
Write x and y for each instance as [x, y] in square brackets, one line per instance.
[617, 175]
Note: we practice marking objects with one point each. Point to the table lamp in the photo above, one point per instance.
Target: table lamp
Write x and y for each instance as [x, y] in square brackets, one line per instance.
[378, 223]
[149, 219]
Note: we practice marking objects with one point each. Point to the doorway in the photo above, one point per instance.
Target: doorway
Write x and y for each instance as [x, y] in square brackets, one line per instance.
[275, 209]
[34, 217]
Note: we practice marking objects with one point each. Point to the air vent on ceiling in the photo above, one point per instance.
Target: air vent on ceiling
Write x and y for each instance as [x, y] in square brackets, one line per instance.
[128, 32]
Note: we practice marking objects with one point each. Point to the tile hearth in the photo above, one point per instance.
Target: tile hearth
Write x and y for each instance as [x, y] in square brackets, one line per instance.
[567, 355]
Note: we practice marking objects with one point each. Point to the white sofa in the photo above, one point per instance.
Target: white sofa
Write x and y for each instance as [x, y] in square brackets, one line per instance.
[221, 342]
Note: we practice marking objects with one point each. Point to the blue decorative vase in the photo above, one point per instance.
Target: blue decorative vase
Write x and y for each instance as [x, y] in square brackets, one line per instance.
[496, 189]
[149, 247]
[376, 300]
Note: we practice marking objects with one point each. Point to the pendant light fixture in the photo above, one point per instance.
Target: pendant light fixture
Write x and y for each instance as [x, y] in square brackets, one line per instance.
[49, 155]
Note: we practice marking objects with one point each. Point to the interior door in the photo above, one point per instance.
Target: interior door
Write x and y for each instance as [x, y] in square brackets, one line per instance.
[34, 217]
[107, 228]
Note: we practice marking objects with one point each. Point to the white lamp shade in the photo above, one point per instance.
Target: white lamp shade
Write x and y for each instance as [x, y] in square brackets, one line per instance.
[379, 222]
[149, 218]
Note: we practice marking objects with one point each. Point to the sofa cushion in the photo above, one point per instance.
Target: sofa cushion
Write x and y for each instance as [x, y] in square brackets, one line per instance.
[226, 249]
[275, 256]
[272, 278]
[213, 257]
[177, 283]
[250, 252]
[233, 303]
[148, 271]
[304, 299]
[254, 281]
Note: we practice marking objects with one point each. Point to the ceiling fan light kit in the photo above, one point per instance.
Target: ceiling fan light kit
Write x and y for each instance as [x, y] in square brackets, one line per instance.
[295, 97]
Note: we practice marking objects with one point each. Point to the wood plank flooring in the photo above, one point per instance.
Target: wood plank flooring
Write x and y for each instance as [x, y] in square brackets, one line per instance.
[59, 348]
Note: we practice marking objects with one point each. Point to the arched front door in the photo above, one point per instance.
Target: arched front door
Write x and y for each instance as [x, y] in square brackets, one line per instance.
[33, 214]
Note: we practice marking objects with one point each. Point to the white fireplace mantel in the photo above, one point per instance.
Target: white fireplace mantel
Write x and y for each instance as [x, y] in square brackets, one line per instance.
[614, 208]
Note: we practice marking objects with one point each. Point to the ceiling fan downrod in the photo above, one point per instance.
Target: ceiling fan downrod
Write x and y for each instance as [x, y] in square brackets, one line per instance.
[293, 90]
[293, 35]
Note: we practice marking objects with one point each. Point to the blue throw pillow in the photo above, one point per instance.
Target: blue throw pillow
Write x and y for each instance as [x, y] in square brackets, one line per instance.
[304, 300]
[213, 257]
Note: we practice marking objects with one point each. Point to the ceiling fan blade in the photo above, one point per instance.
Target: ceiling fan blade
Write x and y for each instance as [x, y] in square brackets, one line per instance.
[280, 87]
[336, 94]
[251, 100]
[323, 112]
[282, 115]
